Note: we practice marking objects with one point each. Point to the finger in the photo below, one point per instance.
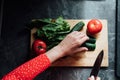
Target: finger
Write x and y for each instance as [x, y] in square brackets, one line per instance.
[97, 78]
[81, 35]
[82, 40]
[81, 49]
[77, 35]
[74, 33]
[89, 78]
[92, 78]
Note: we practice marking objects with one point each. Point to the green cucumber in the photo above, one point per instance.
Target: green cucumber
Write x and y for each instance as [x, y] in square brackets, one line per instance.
[78, 26]
[90, 46]
[91, 40]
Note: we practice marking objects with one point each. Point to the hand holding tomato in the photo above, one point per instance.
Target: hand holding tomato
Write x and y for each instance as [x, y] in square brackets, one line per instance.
[94, 26]
[39, 47]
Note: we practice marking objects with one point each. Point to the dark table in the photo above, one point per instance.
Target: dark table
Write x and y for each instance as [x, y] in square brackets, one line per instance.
[15, 38]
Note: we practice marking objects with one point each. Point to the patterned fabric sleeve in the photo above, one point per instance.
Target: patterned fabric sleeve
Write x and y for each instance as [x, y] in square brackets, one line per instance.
[30, 69]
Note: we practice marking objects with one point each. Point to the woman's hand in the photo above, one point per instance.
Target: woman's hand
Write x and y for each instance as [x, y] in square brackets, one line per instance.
[70, 45]
[94, 78]
[72, 42]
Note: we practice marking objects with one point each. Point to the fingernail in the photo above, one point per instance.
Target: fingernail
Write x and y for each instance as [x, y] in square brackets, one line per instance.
[92, 77]
[88, 38]
[86, 49]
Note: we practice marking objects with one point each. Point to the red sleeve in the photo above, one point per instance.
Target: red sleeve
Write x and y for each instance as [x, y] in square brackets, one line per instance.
[30, 69]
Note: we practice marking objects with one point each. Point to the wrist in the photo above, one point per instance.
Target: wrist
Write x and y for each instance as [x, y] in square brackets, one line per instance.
[55, 53]
[59, 49]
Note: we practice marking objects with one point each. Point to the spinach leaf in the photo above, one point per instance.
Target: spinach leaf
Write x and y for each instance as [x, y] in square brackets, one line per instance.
[53, 31]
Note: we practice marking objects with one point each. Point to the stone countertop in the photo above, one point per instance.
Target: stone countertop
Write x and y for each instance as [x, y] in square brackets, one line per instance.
[15, 37]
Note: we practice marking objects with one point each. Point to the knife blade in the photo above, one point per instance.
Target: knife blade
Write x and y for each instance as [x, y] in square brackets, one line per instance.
[97, 64]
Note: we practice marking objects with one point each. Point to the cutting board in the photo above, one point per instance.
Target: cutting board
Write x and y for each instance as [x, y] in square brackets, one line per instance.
[87, 58]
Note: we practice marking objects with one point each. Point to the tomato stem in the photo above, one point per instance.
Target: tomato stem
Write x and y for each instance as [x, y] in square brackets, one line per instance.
[40, 47]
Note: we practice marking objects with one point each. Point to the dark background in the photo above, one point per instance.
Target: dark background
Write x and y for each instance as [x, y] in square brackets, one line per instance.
[15, 37]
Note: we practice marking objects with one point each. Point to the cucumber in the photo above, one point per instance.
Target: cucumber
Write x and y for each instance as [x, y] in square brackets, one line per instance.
[91, 40]
[90, 46]
[78, 26]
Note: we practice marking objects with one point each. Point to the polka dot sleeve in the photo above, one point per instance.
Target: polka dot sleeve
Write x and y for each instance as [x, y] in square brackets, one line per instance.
[30, 69]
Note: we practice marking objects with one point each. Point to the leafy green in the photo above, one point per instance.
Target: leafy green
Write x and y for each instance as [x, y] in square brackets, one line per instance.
[53, 31]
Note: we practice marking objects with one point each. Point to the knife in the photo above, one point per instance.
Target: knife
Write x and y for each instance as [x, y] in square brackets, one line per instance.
[97, 64]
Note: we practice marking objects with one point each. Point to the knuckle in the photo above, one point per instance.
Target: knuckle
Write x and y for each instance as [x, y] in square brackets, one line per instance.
[77, 41]
[69, 36]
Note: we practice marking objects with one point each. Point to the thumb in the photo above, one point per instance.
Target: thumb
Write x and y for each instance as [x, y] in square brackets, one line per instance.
[81, 49]
[91, 78]
[98, 78]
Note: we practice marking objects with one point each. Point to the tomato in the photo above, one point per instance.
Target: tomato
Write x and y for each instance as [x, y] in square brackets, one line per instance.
[39, 47]
[94, 26]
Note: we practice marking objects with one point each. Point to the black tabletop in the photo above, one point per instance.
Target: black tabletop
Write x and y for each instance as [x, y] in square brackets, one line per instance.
[15, 38]
[1, 11]
[118, 40]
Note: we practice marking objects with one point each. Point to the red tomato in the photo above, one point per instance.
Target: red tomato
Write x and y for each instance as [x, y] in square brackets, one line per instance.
[39, 47]
[94, 26]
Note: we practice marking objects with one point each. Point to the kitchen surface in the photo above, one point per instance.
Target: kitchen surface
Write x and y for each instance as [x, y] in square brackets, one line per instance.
[15, 35]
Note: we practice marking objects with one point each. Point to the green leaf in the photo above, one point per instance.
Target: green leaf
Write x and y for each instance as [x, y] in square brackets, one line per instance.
[59, 20]
[53, 31]
[49, 27]
[46, 20]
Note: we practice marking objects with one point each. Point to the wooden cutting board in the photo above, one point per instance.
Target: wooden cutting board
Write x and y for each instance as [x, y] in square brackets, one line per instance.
[85, 59]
